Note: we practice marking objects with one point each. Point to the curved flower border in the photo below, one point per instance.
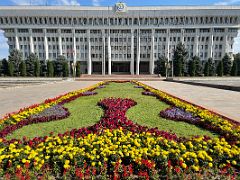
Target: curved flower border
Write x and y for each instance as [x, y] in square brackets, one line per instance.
[209, 119]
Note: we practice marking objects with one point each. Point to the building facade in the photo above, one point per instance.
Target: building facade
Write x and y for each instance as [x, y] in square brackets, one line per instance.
[120, 39]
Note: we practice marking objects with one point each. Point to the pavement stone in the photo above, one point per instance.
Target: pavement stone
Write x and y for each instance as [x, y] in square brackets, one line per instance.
[221, 101]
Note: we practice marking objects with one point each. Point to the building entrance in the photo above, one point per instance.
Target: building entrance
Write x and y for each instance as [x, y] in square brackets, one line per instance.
[121, 67]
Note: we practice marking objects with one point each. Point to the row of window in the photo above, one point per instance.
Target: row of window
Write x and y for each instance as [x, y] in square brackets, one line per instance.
[174, 20]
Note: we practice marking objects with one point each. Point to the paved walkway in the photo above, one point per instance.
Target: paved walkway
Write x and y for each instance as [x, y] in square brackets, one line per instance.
[12, 99]
[221, 101]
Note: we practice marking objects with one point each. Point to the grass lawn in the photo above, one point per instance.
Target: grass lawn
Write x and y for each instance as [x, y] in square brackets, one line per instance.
[84, 112]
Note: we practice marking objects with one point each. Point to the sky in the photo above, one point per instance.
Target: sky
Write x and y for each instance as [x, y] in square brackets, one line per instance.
[4, 46]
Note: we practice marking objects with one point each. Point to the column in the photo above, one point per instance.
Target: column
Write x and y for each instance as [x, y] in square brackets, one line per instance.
[132, 52]
[103, 53]
[151, 64]
[46, 45]
[74, 48]
[89, 64]
[60, 42]
[196, 43]
[168, 44]
[182, 36]
[31, 41]
[109, 55]
[211, 45]
[226, 48]
[138, 53]
[16, 40]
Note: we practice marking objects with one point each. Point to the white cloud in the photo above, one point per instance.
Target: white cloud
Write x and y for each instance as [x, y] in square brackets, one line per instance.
[96, 2]
[44, 2]
[227, 2]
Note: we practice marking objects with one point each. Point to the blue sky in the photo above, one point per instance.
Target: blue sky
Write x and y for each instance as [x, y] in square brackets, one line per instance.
[4, 47]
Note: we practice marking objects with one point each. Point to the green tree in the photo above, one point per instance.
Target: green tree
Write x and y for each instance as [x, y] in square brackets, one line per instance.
[227, 64]
[22, 67]
[10, 68]
[59, 66]
[198, 65]
[50, 69]
[179, 60]
[161, 66]
[30, 64]
[206, 69]
[37, 68]
[220, 68]
[211, 66]
[5, 67]
[78, 70]
[192, 67]
[65, 69]
[234, 70]
[237, 59]
[16, 58]
[1, 68]
[43, 69]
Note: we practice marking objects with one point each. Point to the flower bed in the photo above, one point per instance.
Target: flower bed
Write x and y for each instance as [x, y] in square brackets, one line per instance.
[209, 120]
[53, 113]
[118, 148]
[22, 114]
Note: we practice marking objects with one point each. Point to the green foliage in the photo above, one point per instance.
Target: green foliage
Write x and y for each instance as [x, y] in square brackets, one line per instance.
[78, 70]
[237, 60]
[4, 69]
[227, 64]
[198, 65]
[23, 70]
[192, 67]
[50, 69]
[161, 66]
[206, 69]
[220, 68]
[10, 68]
[43, 69]
[65, 69]
[179, 60]
[211, 67]
[37, 68]
[30, 64]
[16, 58]
[234, 68]
[58, 66]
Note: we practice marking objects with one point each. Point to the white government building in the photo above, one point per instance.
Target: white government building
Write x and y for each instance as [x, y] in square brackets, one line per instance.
[120, 39]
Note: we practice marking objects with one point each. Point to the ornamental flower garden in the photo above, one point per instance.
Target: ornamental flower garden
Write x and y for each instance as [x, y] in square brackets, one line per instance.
[125, 136]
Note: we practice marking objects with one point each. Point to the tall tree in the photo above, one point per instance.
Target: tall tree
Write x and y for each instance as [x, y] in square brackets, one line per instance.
[59, 65]
[22, 67]
[220, 68]
[211, 66]
[5, 67]
[43, 68]
[198, 64]
[161, 66]
[10, 68]
[179, 60]
[65, 69]
[30, 63]
[192, 67]
[16, 58]
[237, 59]
[50, 69]
[206, 69]
[234, 68]
[78, 70]
[37, 68]
[227, 64]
